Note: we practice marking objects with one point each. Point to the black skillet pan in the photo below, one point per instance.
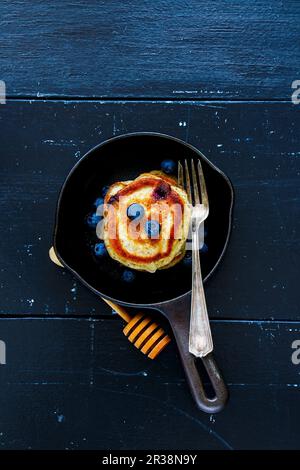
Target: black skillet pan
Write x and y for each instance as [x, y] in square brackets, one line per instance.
[124, 158]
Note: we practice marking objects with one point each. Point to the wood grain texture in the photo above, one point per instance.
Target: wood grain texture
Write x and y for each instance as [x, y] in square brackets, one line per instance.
[75, 382]
[79, 384]
[138, 48]
[256, 145]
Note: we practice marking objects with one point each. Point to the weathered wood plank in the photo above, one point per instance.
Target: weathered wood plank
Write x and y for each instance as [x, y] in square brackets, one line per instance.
[256, 145]
[194, 49]
[79, 384]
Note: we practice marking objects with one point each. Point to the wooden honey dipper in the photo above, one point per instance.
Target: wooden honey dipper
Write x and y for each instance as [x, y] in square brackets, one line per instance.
[141, 330]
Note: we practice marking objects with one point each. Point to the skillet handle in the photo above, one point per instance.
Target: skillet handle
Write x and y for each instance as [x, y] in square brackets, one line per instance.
[178, 315]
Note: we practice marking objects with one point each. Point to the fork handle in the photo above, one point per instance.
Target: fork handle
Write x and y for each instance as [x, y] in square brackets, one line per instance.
[200, 339]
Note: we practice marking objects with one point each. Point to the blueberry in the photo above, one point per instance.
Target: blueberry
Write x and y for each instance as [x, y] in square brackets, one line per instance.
[104, 190]
[161, 191]
[128, 276]
[168, 166]
[93, 219]
[99, 201]
[187, 260]
[152, 228]
[135, 211]
[204, 248]
[100, 249]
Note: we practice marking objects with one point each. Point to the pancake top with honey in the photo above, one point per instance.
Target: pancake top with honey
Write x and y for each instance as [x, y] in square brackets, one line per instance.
[165, 204]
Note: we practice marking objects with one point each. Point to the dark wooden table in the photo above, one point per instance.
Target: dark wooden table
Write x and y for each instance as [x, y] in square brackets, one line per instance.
[218, 75]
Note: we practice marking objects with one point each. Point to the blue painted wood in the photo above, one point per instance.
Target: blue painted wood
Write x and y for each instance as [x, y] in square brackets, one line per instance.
[257, 145]
[137, 48]
[79, 384]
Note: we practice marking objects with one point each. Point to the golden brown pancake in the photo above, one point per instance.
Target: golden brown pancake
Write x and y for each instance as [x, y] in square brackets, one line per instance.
[165, 202]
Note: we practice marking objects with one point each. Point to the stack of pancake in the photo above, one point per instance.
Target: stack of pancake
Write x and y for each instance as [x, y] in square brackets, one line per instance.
[163, 201]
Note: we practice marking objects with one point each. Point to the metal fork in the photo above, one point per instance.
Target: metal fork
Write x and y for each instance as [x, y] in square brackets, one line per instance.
[200, 339]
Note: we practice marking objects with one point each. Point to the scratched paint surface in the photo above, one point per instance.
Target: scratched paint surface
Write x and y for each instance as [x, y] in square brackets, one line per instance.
[137, 48]
[82, 380]
[256, 144]
[71, 379]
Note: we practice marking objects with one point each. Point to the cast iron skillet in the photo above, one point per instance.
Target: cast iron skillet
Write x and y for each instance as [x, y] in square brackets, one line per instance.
[123, 158]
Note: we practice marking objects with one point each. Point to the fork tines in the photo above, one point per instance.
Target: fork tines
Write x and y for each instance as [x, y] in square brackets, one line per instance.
[198, 181]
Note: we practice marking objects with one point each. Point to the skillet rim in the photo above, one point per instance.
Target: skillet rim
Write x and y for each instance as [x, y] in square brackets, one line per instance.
[156, 305]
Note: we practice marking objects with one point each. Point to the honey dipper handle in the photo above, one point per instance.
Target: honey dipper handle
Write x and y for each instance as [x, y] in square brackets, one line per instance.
[120, 310]
[154, 344]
